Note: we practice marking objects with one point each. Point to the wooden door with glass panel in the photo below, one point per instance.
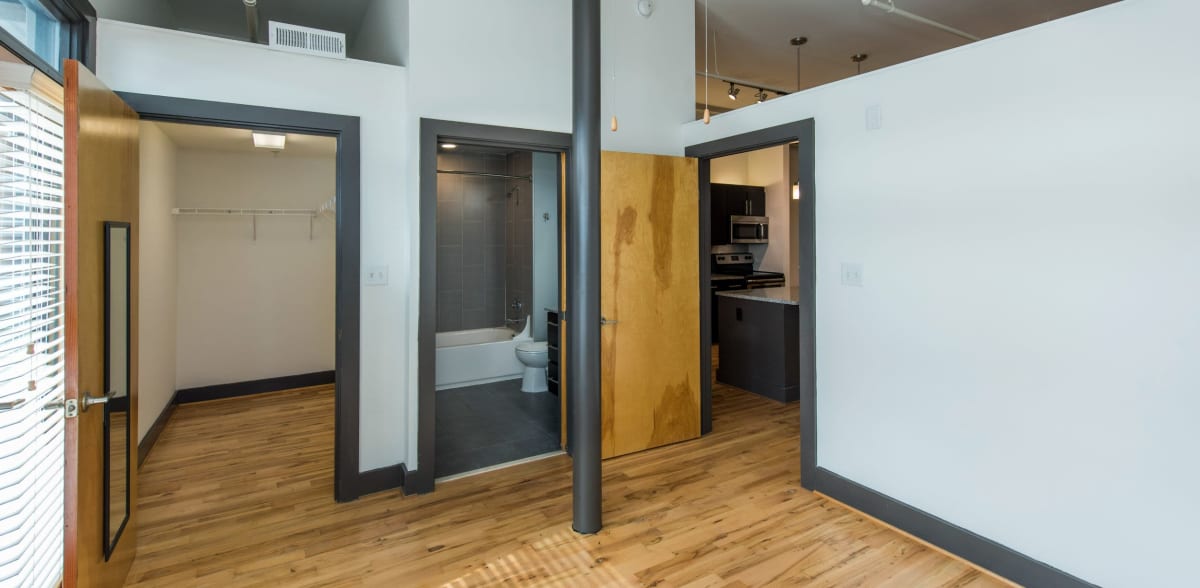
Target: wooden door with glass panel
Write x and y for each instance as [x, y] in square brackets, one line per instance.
[101, 177]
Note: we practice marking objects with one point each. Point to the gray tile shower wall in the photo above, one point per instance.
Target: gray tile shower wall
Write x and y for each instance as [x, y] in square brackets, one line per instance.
[472, 217]
[519, 245]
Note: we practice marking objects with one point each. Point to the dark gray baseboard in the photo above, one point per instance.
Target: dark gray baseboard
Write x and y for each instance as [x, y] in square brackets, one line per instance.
[415, 482]
[235, 389]
[976, 549]
[146, 444]
[378, 480]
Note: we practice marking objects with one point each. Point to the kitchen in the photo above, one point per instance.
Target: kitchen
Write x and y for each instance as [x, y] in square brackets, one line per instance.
[754, 264]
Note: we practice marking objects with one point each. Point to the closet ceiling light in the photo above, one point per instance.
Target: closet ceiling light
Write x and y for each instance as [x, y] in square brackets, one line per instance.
[449, 146]
[269, 141]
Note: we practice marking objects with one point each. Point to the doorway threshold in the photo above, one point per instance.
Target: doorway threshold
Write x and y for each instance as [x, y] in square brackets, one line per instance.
[499, 466]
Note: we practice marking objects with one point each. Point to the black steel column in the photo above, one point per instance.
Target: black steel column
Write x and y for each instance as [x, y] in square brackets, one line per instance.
[583, 267]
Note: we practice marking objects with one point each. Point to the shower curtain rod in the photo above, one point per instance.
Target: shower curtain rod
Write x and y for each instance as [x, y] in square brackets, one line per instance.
[484, 174]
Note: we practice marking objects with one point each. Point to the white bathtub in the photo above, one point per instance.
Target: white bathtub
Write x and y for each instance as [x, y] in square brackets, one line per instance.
[478, 356]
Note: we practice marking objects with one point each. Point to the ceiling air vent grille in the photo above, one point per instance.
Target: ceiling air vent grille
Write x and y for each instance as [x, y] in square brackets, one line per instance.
[298, 39]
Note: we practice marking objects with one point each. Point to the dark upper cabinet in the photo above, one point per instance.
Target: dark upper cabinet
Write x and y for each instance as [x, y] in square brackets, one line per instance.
[733, 200]
[756, 200]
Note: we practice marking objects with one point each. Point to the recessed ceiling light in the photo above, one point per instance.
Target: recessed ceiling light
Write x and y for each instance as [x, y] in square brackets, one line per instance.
[449, 146]
[271, 141]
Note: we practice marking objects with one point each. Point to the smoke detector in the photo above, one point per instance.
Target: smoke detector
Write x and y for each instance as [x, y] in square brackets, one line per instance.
[645, 7]
[308, 41]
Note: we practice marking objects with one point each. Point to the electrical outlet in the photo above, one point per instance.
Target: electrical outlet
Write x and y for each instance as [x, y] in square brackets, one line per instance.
[375, 275]
[874, 117]
[852, 274]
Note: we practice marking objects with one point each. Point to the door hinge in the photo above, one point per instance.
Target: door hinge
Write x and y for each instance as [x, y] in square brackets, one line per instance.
[70, 407]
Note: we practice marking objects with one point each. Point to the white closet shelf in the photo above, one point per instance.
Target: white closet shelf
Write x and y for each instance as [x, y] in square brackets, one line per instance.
[244, 211]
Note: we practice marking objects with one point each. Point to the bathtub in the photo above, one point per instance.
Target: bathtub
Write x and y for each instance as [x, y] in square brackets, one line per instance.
[478, 356]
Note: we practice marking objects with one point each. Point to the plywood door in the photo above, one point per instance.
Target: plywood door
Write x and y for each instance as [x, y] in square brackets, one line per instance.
[649, 267]
[101, 185]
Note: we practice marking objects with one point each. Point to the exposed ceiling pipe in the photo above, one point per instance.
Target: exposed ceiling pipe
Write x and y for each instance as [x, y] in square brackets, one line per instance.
[889, 6]
[252, 19]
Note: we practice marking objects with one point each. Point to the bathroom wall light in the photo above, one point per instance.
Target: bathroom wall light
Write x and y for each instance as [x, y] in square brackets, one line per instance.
[795, 190]
[272, 141]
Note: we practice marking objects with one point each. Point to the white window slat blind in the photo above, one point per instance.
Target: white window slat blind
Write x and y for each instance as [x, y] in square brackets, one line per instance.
[31, 340]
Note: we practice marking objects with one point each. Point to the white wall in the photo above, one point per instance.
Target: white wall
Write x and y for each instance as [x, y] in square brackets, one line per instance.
[509, 64]
[769, 168]
[254, 307]
[545, 239]
[731, 169]
[156, 276]
[172, 63]
[1022, 359]
[383, 34]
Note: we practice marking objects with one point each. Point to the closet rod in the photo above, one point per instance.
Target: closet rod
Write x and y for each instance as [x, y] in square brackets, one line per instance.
[484, 174]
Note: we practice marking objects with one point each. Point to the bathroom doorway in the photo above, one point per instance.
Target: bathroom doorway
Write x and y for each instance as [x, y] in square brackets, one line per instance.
[496, 292]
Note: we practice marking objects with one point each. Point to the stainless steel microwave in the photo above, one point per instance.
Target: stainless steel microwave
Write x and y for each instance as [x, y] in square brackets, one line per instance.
[748, 229]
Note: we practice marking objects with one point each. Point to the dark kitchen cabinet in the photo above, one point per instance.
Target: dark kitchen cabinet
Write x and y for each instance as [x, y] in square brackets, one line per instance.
[734, 200]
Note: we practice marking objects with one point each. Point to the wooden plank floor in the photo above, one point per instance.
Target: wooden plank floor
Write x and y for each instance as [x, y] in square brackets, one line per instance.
[239, 493]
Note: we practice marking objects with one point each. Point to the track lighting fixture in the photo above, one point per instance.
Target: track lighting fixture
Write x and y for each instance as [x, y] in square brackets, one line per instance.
[733, 91]
[761, 96]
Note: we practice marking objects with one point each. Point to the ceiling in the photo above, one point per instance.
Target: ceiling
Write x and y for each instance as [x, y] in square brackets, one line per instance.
[751, 39]
[226, 140]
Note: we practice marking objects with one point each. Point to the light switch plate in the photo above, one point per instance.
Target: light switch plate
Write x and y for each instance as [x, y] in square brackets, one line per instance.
[852, 274]
[375, 275]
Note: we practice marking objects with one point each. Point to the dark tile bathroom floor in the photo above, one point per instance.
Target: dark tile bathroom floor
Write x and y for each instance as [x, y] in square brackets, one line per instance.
[490, 424]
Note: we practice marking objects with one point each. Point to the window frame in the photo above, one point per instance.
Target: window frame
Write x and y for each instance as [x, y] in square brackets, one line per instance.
[78, 21]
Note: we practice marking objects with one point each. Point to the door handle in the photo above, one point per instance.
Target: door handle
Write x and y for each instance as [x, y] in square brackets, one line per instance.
[11, 404]
[605, 322]
[89, 400]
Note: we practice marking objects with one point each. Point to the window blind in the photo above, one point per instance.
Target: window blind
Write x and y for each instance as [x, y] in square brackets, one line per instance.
[31, 340]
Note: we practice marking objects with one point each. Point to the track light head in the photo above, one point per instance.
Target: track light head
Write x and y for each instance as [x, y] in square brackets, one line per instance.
[733, 91]
[761, 96]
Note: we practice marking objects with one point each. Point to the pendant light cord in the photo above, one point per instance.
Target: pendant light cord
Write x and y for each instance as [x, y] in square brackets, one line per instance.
[706, 54]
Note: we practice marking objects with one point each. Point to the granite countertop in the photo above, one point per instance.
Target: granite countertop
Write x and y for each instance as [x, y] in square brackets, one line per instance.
[782, 295]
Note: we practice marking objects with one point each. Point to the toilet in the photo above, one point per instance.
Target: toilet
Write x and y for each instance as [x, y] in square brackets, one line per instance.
[534, 355]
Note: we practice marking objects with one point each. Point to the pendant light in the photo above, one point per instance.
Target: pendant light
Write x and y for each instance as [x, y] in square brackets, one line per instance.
[707, 114]
[797, 42]
[858, 58]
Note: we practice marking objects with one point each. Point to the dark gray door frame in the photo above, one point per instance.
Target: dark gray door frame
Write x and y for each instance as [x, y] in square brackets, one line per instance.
[974, 548]
[802, 132]
[434, 132]
[349, 483]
